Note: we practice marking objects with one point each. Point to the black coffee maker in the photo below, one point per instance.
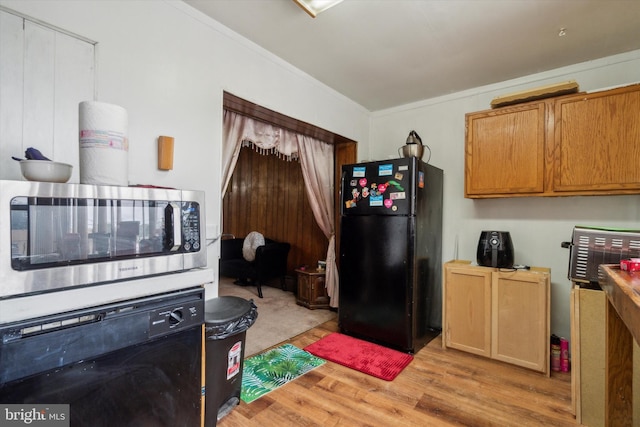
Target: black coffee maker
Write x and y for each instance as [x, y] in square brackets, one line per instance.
[495, 249]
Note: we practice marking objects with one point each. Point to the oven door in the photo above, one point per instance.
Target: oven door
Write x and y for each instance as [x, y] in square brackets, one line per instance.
[137, 363]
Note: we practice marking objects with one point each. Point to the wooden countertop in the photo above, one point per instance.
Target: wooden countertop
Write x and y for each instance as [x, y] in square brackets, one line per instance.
[623, 291]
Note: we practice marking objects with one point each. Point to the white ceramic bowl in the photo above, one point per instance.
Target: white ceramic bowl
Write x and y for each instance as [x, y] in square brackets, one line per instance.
[45, 170]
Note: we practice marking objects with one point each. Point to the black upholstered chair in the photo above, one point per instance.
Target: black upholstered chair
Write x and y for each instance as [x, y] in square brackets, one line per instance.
[270, 262]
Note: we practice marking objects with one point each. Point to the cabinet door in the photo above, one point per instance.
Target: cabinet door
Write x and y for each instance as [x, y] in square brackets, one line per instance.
[318, 292]
[304, 288]
[597, 142]
[467, 319]
[592, 307]
[504, 151]
[520, 324]
[44, 75]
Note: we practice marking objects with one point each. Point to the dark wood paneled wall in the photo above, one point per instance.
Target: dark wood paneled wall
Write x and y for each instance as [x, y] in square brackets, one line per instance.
[266, 194]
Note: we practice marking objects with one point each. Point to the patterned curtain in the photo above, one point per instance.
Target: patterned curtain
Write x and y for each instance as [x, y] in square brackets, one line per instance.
[316, 159]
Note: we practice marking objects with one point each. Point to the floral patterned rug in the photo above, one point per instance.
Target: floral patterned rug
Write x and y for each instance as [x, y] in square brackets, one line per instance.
[267, 371]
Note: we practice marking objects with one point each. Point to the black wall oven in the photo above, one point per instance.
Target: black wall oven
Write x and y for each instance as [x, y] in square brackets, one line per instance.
[132, 363]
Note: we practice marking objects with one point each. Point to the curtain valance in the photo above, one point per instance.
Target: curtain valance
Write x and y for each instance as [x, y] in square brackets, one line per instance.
[265, 138]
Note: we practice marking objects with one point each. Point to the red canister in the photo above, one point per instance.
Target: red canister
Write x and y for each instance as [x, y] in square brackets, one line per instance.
[564, 355]
[630, 264]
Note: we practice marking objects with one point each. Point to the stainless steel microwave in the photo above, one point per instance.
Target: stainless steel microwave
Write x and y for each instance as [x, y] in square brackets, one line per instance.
[58, 236]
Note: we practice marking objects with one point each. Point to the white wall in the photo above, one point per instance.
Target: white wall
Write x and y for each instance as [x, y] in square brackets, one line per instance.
[537, 225]
[168, 66]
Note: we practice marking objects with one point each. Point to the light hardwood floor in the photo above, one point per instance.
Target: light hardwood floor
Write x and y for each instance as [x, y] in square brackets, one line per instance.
[439, 388]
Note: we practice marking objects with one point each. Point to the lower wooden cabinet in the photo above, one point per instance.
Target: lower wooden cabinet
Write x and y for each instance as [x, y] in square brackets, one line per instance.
[588, 355]
[498, 313]
[311, 289]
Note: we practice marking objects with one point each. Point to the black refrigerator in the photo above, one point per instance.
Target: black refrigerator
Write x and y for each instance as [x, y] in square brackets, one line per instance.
[391, 253]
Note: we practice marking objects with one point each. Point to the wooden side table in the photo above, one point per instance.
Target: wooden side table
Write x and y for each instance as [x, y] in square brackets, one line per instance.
[311, 289]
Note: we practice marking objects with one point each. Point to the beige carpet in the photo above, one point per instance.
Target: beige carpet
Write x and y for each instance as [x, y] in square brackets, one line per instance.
[279, 317]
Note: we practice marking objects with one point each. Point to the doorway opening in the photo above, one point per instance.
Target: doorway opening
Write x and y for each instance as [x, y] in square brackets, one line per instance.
[267, 194]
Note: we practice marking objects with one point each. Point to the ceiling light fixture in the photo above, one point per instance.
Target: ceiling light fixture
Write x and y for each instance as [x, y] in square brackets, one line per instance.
[314, 7]
[562, 32]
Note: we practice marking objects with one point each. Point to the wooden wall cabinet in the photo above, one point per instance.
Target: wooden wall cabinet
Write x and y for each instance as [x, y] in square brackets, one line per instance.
[582, 144]
[505, 151]
[498, 313]
[597, 142]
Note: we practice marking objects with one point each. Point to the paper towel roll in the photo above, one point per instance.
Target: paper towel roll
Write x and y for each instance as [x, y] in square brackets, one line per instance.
[104, 146]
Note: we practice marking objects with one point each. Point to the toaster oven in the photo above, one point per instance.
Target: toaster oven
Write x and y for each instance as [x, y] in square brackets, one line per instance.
[592, 246]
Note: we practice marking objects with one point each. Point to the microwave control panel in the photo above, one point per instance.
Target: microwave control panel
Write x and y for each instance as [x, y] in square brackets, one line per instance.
[191, 226]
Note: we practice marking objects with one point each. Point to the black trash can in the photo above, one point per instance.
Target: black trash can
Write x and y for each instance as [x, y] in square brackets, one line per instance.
[226, 322]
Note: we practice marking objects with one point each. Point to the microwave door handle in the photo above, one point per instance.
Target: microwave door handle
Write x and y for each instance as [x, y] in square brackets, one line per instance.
[173, 225]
